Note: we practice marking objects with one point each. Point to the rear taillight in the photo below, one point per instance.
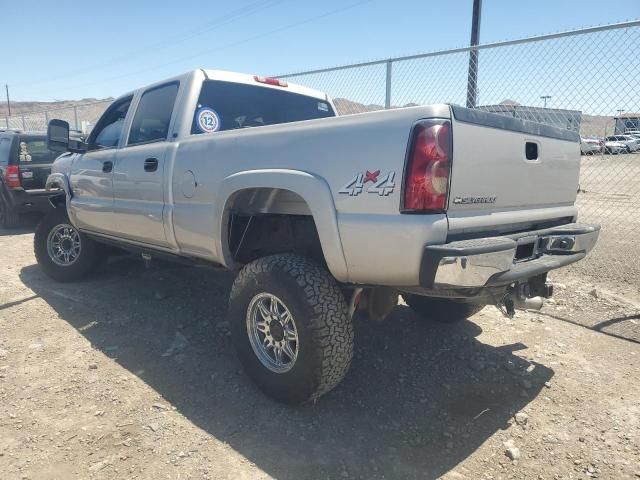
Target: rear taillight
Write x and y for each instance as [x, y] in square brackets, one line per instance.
[12, 176]
[426, 182]
[270, 81]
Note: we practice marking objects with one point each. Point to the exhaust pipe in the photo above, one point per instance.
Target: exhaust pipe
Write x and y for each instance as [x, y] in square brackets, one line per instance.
[532, 303]
[516, 298]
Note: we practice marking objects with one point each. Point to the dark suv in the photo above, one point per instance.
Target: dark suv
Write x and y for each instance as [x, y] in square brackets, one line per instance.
[25, 164]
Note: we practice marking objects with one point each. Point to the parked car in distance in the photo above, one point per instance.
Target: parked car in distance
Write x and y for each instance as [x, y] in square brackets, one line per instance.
[631, 142]
[615, 148]
[590, 146]
[25, 164]
[634, 133]
[320, 215]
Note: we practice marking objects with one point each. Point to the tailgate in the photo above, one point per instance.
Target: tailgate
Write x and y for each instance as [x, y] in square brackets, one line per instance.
[503, 164]
[34, 176]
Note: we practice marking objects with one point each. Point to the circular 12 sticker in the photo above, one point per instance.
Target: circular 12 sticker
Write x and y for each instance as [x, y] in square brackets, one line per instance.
[208, 120]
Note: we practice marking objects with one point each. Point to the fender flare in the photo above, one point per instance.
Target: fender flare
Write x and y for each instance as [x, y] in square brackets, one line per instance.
[67, 194]
[312, 189]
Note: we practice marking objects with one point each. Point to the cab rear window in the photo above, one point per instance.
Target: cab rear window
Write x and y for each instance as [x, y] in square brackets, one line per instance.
[231, 106]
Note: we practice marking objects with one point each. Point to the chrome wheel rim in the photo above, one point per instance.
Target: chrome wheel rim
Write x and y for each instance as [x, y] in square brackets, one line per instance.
[272, 332]
[64, 245]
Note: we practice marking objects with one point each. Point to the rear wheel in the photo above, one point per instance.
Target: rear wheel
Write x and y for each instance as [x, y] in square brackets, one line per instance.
[291, 327]
[63, 253]
[441, 310]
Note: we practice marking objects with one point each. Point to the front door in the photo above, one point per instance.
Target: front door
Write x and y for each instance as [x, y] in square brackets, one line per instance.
[140, 177]
[91, 175]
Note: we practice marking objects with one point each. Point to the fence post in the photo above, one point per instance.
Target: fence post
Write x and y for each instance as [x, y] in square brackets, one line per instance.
[6, 119]
[387, 98]
[75, 116]
[24, 125]
[46, 118]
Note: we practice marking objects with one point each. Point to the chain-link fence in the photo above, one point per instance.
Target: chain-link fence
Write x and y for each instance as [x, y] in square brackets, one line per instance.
[586, 80]
[81, 117]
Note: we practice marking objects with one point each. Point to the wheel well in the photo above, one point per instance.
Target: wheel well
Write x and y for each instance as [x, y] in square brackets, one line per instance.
[58, 200]
[268, 221]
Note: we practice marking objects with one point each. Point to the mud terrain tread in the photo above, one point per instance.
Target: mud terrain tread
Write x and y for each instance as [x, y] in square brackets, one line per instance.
[332, 328]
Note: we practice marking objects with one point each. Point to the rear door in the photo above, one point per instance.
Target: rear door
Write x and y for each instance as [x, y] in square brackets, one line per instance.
[91, 174]
[139, 173]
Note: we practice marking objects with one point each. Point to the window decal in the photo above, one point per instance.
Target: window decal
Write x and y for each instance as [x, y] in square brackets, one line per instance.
[207, 120]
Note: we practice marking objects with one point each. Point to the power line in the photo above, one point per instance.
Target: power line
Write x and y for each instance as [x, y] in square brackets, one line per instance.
[223, 47]
[212, 25]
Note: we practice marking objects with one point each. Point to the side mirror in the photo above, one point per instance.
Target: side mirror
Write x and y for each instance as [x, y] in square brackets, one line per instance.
[58, 136]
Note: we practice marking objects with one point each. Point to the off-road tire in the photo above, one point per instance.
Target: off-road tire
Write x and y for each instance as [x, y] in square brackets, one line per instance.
[321, 315]
[8, 217]
[441, 310]
[86, 262]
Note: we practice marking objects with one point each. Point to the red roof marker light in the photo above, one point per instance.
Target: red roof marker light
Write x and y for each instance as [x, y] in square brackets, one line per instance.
[270, 81]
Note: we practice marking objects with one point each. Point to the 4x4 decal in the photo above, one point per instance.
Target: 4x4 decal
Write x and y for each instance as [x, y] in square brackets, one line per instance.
[370, 182]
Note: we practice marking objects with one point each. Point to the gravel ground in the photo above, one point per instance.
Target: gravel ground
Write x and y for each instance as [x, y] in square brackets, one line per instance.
[131, 374]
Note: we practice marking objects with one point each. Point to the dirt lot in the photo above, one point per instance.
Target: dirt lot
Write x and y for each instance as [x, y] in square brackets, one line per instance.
[131, 374]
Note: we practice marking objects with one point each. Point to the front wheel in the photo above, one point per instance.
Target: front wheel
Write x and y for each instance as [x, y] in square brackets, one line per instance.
[441, 310]
[63, 253]
[291, 327]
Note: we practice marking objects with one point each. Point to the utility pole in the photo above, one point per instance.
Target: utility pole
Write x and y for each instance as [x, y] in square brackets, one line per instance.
[620, 110]
[6, 86]
[545, 98]
[472, 80]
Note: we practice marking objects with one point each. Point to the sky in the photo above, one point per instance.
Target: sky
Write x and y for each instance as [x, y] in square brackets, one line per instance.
[56, 50]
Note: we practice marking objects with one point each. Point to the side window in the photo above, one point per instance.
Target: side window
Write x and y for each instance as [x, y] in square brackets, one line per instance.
[151, 122]
[108, 131]
[5, 149]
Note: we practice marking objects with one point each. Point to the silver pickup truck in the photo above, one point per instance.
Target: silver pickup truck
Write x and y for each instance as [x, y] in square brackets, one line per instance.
[321, 216]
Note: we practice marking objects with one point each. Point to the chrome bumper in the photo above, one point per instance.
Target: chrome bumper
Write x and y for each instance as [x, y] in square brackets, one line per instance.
[496, 261]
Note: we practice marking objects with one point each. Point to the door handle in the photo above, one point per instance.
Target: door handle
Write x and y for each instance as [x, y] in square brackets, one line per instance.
[151, 165]
[107, 166]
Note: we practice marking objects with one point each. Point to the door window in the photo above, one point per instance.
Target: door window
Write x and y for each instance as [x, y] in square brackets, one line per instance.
[153, 115]
[108, 131]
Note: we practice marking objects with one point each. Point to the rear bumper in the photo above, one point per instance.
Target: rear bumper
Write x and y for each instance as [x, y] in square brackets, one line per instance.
[24, 201]
[497, 261]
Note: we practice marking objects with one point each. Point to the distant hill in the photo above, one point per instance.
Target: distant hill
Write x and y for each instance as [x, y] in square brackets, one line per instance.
[348, 107]
[591, 125]
[18, 108]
